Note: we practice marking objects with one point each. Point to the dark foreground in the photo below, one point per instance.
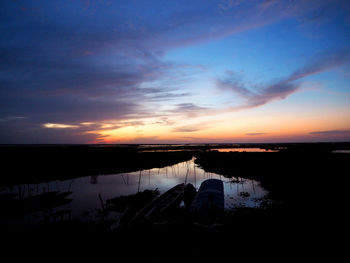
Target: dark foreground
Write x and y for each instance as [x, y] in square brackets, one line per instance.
[306, 182]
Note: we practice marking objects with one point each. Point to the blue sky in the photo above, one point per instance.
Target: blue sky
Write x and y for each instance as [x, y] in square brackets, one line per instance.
[174, 71]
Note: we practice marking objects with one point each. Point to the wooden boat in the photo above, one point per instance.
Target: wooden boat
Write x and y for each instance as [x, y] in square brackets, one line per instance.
[208, 202]
[162, 206]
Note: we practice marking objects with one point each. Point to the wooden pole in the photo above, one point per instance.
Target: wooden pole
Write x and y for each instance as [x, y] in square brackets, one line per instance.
[138, 188]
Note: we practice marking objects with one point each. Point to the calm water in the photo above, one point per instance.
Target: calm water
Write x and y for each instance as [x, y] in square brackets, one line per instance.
[341, 151]
[238, 192]
[243, 150]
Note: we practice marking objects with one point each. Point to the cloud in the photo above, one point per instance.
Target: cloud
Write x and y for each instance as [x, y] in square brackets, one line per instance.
[59, 126]
[60, 89]
[331, 132]
[187, 129]
[267, 4]
[63, 62]
[192, 127]
[188, 109]
[167, 96]
[164, 121]
[256, 133]
[13, 118]
[29, 131]
[320, 62]
[71, 70]
[285, 87]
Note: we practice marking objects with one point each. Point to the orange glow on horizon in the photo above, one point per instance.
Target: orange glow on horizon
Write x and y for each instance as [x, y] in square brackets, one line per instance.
[245, 126]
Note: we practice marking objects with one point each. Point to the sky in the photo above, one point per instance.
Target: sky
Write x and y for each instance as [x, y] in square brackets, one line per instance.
[186, 71]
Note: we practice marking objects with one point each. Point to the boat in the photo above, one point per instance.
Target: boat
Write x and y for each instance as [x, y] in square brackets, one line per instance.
[208, 204]
[162, 206]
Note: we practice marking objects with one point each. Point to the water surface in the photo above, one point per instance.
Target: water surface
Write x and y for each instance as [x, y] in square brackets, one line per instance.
[341, 151]
[244, 150]
[86, 190]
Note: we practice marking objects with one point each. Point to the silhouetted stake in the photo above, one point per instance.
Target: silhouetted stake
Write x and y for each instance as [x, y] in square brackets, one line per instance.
[123, 178]
[253, 187]
[101, 200]
[186, 176]
[138, 188]
[149, 177]
[194, 172]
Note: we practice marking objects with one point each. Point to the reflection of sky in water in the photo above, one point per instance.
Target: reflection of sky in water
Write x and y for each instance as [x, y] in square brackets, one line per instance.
[255, 150]
[341, 151]
[86, 189]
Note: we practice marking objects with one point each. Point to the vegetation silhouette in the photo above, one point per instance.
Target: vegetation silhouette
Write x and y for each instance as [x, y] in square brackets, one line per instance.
[35, 164]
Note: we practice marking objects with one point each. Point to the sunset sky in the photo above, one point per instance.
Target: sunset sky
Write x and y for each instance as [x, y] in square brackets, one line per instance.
[168, 71]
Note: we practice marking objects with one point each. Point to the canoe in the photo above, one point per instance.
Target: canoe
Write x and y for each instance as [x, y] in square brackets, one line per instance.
[162, 206]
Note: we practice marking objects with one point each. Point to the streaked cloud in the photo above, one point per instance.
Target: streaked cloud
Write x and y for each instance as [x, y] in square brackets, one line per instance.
[286, 86]
[256, 133]
[331, 132]
[188, 109]
[320, 62]
[187, 129]
[59, 126]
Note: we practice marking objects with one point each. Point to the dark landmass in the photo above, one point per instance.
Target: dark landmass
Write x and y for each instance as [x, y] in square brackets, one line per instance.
[35, 164]
[43, 163]
[307, 183]
[308, 173]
